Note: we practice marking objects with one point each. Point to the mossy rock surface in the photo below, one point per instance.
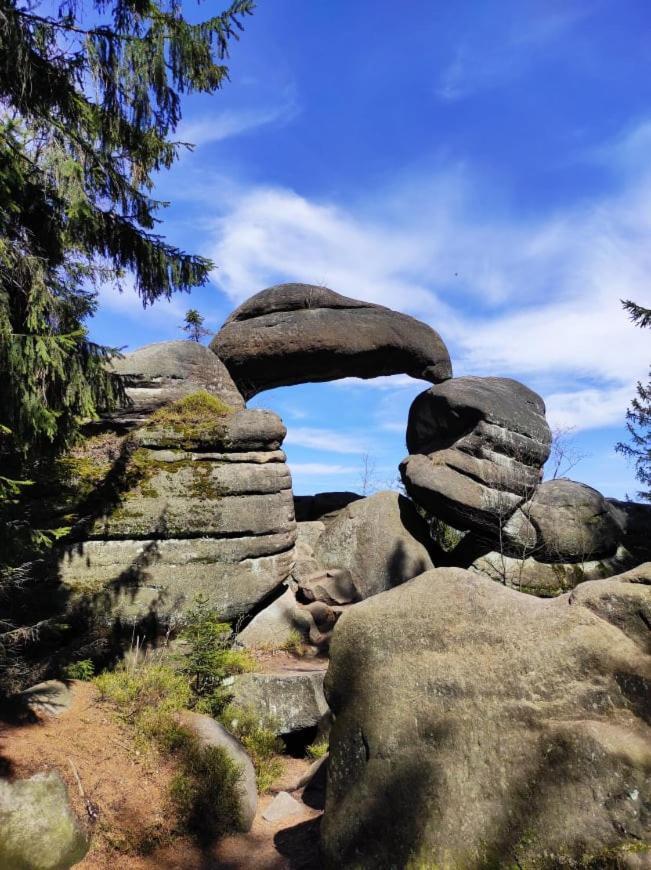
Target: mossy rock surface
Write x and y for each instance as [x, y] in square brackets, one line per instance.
[38, 830]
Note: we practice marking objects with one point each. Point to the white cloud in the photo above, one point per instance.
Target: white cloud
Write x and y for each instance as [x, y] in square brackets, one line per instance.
[325, 439]
[587, 409]
[538, 300]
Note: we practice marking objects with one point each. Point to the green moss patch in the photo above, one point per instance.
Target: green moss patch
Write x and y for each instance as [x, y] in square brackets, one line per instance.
[196, 418]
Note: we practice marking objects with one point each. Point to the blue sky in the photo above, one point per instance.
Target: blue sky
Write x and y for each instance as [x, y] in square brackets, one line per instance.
[484, 166]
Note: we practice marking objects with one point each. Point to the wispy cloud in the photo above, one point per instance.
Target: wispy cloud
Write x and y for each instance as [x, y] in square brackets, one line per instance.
[327, 440]
[204, 129]
[311, 468]
[501, 47]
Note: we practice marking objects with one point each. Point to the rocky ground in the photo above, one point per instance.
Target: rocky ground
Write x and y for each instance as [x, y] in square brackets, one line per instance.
[124, 802]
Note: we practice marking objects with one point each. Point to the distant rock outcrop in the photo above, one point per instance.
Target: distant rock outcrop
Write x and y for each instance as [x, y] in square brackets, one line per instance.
[475, 726]
[297, 333]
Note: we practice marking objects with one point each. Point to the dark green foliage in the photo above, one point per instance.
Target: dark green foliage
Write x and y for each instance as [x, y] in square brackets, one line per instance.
[204, 792]
[638, 416]
[193, 325]
[639, 315]
[638, 423]
[81, 670]
[91, 97]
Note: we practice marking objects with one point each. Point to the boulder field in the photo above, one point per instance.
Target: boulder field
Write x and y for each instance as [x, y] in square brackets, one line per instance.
[489, 699]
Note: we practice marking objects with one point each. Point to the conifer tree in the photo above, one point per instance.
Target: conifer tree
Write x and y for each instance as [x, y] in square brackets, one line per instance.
[193, 325]
[90, 97]
[638, 416]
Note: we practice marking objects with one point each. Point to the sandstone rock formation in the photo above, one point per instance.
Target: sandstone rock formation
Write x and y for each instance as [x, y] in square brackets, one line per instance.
[199, 501]
[634, 521]
[477, 447]
[296, 333]
[476, 726]
[573, 522]
[381, 540]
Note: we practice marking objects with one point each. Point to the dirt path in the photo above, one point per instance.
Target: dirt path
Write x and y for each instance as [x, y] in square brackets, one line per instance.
[134, 828]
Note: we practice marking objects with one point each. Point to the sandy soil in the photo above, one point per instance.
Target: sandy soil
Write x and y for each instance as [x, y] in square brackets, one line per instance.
[133, 828]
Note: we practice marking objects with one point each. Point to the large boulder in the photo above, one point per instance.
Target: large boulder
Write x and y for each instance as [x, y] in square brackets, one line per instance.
[634, 521]
[168, 370]
[478, 727]
[381, 540]
[298, 333]
[547, 579]
[38, 829]
[477, 447]
[573, 522]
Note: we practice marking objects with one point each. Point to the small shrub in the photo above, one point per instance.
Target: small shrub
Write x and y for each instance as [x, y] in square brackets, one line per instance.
[204, 792]
[211, 657]
[146, 696]
[294, 643]
[82, 670]
[259, 738]
[318, 749]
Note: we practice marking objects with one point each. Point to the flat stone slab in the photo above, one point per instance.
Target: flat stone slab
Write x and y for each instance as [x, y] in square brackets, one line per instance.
[281, 807]
[292, 699]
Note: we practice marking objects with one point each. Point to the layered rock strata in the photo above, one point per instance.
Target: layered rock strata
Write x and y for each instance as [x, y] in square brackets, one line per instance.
[477, 447]
[201, 502]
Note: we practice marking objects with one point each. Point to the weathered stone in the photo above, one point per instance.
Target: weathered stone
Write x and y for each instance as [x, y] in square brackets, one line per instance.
[477, 447]
[381, 540]
[549, 579]
[475, 726]
[212, 733]
[38, 830]
[307, 535]
[624, 601]
[131, 580]
[298, 333]
[293, 699]
[282, 807]
[249, 430]
[180, 513]
[168, 370]
[50, 698]
[334, 586]
[573, 522]
[273, 626]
